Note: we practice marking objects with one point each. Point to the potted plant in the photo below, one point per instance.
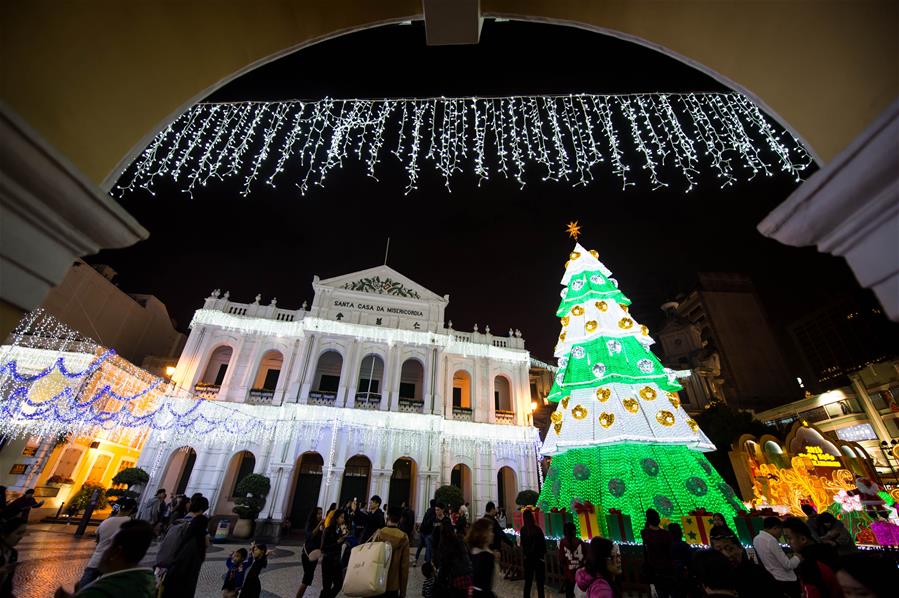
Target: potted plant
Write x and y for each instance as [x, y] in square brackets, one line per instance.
[451, 496]
[81, 499]
[527, 498]
[251, 492]
[133, 477]
[55, 481]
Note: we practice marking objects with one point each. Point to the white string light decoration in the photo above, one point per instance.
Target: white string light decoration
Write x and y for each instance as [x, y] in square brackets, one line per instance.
[661, 139]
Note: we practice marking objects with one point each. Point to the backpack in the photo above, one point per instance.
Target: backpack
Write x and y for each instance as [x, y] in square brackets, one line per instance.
[170, 544]
[427, 524]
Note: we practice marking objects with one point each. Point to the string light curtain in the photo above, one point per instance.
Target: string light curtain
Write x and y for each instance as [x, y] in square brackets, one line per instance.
[659, 140]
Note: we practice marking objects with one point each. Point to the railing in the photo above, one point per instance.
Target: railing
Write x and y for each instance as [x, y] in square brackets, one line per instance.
[260, 396]
[322, 398]
[411, 406]
[462, 414]
[506, 418]
[368, 400]
[207, 391]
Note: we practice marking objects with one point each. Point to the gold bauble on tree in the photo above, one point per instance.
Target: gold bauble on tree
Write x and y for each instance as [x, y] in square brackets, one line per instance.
[577, 310]
[631, 405]
[574, 255]
[564, 402]
[625, 323]
[602, 305]
[578, 412]
[594, 253]
[606, 419]
[648, 393]
[564, 320]
[591, 326]
[603, 394]
[666, 418]
[674, 402]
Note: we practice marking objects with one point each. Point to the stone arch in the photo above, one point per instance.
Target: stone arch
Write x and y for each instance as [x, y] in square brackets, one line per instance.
[402, 482]
[179, 467]
[268, 375]
[503, 396]
[307, 482]
[412, 380]
[370, 381]
[461, 477]
[462, 390]
[506, 487]
[217, 363]
[356, 481]
[240, 465]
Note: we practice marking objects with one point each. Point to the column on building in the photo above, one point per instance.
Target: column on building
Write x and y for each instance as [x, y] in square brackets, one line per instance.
[349, 375]
[391, 383]
[231, 375]
[309, 366]
[286, 384]
[189, 361]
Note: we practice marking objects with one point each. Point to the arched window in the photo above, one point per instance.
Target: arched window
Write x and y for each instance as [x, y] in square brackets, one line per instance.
[502, 400]
[216, 369]
[412, 381]
[460, 477]
[356, 474]
[402, 486]
[307, 486]
[462, 396]
[327, 378]
[507, 488]
[245, 463]
[177, 472]
[368, 391]
[267, 375]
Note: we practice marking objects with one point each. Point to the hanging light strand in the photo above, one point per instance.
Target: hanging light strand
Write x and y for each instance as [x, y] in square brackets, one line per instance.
[671, 140]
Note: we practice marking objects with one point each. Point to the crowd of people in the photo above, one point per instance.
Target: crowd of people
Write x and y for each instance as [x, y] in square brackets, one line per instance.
[461, 556]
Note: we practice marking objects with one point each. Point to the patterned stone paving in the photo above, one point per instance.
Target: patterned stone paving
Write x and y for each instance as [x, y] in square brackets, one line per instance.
[50, 556]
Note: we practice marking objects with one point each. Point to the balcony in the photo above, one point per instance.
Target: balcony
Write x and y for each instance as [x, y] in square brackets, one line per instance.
[207, 391]
[260, 396]
[506, 418]
[368, 400]
[322, 398]
[411, 406]
[461, 414]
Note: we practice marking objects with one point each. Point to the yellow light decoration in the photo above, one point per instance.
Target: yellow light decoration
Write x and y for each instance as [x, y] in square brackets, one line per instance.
[574, 255]
[672, 395]
[578, 412]
[564, 402]
[602, 305]
[675, 403]
[565, 320]
[594, 253]
[591, 326]
[562, 337]
[556, 417]
[693, 425]
[557, 427]
[631, 405]
[603, 394]
[574, 230]
[623, 307]
[648, 393]
[644, 330]
[606, 419]
[666, 418]
[577, 310]
[48, 387]
[625, 323]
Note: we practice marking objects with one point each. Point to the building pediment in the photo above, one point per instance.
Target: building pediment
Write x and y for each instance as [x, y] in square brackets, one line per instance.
[381, 280]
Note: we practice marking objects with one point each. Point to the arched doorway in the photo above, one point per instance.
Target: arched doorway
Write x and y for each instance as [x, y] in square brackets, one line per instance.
[327, 378]
[356, 475]
[460, 477]
[307, 485]
[368, 390]
[177, 472]
[240, 466]
[402, 483]
[506, 488]
[266, 381]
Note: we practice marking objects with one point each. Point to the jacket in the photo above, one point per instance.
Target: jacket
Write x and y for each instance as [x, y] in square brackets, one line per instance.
[398, 572]
[596, 587]
[134, 583]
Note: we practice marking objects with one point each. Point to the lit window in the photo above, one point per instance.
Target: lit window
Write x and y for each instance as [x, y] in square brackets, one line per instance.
[856, 433]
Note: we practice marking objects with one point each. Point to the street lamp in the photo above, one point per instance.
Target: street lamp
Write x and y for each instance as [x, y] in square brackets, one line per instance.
[169, 371]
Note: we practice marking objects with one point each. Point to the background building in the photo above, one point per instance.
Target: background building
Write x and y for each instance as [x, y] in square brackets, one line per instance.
[376, 394]
[866, 412]
[721, 333]
[845, 336]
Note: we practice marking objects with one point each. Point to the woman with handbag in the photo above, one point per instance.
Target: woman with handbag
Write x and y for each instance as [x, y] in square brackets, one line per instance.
[332, 546]
[311, 552]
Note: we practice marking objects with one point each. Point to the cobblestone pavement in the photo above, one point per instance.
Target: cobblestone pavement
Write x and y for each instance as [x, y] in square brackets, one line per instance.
[50, 556]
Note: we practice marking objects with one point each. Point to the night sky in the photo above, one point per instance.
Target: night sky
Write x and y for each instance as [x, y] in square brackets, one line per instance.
[497, 250]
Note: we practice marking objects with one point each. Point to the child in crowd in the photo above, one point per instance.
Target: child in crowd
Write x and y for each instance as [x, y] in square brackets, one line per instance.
[258, 561]
[235, 575]
[427, 588]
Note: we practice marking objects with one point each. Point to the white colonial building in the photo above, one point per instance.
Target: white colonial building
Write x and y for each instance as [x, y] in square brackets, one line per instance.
[373, 394]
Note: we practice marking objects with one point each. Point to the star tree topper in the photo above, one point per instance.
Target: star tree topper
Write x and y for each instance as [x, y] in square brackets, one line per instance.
[573, 230]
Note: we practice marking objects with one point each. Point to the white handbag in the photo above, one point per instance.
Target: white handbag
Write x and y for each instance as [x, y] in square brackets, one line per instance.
[366, 573]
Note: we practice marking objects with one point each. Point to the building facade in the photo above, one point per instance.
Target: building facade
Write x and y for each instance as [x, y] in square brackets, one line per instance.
[866, 412]
[721, 333]
[373, 394]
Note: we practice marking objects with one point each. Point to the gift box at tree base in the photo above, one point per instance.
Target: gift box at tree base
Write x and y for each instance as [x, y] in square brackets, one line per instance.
[673, 480]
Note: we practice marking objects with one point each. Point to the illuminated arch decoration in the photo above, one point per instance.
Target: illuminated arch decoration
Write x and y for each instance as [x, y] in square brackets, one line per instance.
[658, 139]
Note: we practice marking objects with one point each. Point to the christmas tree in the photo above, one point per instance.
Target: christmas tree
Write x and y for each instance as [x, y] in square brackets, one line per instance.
[619, 436]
